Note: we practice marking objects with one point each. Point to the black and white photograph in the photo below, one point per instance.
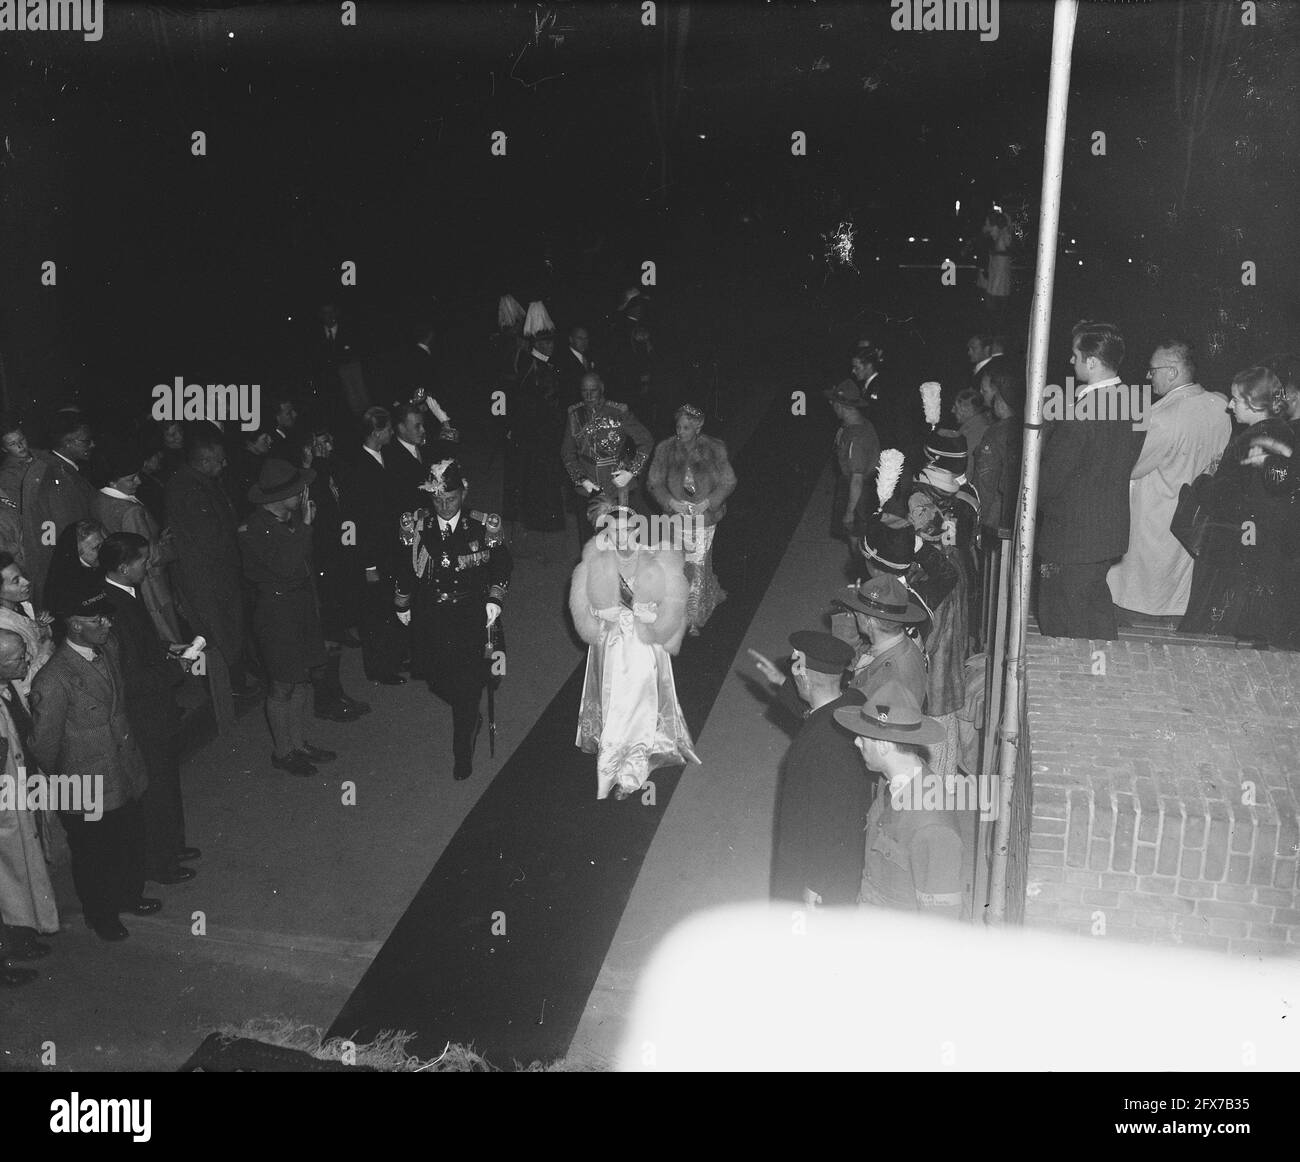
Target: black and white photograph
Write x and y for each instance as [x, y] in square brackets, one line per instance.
[601, 536]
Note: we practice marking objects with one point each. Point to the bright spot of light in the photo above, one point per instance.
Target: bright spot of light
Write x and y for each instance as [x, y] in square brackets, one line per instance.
[231, 35]
[956, 206]
[1081, 262]
[910, 239]
[839, 245]
[703, 137]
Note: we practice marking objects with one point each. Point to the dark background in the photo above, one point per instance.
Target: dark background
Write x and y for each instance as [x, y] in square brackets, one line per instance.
[624, 143]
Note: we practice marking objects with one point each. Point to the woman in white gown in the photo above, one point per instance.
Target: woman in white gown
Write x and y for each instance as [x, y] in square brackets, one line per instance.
[628, 601]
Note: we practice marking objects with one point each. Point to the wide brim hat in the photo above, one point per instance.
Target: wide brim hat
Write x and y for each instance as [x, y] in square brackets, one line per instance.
[892, 714]
[279, 480]
[887, 599]
[824, 653]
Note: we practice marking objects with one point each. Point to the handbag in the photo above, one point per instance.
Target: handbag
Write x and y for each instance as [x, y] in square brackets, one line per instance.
[1193, 522]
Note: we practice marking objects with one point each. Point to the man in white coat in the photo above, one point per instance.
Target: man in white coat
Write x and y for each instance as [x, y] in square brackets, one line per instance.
[1189, 428]
[26, 895]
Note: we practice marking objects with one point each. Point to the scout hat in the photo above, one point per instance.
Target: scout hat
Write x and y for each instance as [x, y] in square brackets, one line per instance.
[444, 477]
[279, 480]
[887, 599]
[825, 653]
[892, 714]
[846, 392]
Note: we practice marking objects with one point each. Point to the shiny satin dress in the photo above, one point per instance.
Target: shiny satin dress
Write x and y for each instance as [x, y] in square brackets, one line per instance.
[630, 609]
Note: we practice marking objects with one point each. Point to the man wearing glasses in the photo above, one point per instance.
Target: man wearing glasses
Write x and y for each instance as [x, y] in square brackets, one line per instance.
[1188, 427]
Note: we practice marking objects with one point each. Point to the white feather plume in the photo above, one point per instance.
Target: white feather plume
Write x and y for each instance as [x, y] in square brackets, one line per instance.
[538, 321]
[887, 474]
[930, 400]
[509, 312]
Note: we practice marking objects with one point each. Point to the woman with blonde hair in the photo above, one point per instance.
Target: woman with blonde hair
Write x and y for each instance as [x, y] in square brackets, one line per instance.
[691, 477]
[1238, 585]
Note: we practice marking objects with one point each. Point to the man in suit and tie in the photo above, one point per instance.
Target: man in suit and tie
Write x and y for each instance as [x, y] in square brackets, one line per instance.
[573, 363]
[893, 413]
[984, 352]
[80, 729]
[409, 456]
[152, 673]
[1083, 494]
[370, 505]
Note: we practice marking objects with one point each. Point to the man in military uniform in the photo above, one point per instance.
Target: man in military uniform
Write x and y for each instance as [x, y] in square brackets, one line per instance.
[451, 581]
[596, 435]
[914, 848]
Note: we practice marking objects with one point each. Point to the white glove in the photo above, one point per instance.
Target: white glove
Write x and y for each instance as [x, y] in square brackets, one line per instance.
[589, 487]
[493, 612]
[645, 611]
[609, 614]
[432, 405]
[622, 478]
[404, 616]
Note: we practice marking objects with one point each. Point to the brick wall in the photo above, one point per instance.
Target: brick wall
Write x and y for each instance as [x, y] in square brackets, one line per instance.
[1165, 793]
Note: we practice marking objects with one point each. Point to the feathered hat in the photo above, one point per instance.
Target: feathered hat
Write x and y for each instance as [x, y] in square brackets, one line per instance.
[445, 477]
[509, 312]
[537, 323]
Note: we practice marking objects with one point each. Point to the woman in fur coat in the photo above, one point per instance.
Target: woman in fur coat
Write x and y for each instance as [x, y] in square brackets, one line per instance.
[691, 477]
[628, 601]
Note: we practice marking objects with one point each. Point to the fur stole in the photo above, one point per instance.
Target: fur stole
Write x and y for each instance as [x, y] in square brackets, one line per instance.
[660, 579]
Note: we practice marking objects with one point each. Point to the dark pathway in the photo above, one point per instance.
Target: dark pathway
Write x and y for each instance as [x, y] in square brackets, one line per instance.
[538, 852]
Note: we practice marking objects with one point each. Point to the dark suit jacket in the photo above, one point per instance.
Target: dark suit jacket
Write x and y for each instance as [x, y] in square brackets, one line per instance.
[571, 372]
[206, 577]
[324, 356]
[406, 474]
[369, 503]
[995, 363]
[80, 725]
[151, 677]
[896, 414]
[1083, 490]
